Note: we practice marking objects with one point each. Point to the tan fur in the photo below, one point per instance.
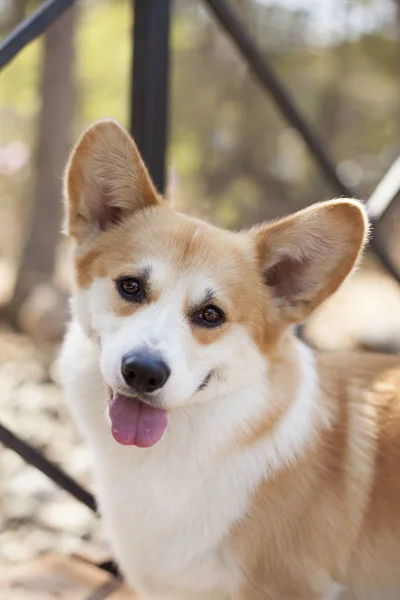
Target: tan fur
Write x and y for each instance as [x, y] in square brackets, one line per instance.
[334, 513]
[295, 241]
[105, 166]
[105, 170]
[157, 232]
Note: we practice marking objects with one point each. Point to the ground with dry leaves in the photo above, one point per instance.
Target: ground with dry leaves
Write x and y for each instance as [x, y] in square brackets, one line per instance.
[35, 515]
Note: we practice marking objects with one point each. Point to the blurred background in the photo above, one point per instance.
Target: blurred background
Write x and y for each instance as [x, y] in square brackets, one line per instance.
[232, 158]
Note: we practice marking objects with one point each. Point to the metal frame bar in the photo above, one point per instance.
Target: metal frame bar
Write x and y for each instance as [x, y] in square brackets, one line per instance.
[385, 192]
[378, 204]
[149, 92]
[270, 83]
[266, 76]
[31, 28]
[36, 459]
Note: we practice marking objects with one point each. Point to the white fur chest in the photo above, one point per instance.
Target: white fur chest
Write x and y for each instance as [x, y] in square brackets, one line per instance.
[168, 510]
[168, 517]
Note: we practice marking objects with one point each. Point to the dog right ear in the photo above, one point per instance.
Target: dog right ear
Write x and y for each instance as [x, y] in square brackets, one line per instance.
[105, 180]
[305, 257]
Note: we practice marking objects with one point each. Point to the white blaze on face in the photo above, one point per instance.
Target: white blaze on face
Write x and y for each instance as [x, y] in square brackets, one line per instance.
[163, 327]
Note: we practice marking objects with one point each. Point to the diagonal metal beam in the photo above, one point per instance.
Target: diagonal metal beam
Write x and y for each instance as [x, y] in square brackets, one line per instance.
[37, 460]
[266, 76]
[386, 191]
[270, 82]
[31, 28]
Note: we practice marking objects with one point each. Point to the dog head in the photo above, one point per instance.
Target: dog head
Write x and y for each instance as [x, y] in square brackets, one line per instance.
[185, 312]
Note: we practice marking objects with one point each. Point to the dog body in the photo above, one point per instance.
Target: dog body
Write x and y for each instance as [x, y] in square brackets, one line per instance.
[230, 461]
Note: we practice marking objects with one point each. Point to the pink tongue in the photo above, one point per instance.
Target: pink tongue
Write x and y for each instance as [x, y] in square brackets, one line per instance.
[136, 424]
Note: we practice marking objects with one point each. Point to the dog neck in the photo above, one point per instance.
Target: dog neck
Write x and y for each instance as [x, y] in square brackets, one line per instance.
[275, 416]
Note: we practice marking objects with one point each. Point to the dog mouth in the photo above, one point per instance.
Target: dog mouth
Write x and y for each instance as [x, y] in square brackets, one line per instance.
[134, 422]
[137, 422]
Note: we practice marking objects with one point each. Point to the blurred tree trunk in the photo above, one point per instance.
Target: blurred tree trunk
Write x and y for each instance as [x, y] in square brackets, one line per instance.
[53, 144]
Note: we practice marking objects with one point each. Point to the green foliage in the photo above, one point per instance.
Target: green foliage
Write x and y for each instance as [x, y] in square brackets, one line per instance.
[19, 83]
[103, 61]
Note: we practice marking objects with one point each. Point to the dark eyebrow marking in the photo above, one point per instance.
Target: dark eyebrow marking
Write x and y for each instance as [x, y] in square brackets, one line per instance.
[209, 298]
[145, 272]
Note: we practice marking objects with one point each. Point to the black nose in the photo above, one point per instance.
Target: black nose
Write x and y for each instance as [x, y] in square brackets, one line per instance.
[144, 372]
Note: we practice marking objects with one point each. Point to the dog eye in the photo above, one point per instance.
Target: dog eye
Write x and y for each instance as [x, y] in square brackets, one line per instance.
[210, 316]
[129, 288]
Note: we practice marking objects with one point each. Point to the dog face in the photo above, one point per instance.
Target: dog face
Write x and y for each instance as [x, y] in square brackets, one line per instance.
[185, 312]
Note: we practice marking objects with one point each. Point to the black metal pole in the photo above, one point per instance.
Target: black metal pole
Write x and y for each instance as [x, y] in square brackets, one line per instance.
[31, 28]
[268, 79]
[149, 94]
[36, 459]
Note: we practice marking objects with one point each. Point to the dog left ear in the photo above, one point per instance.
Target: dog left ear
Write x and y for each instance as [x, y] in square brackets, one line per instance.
[105, 180]
[306, 256]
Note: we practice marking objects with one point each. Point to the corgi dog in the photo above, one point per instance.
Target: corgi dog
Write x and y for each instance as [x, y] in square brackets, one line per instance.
[231, 461]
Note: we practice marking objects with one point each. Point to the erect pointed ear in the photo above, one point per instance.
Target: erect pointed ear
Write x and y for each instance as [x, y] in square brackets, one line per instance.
[306, 256]
[105, 180]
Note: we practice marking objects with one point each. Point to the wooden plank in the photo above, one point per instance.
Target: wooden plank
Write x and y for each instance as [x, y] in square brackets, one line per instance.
[70, 578]
[59, 578]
